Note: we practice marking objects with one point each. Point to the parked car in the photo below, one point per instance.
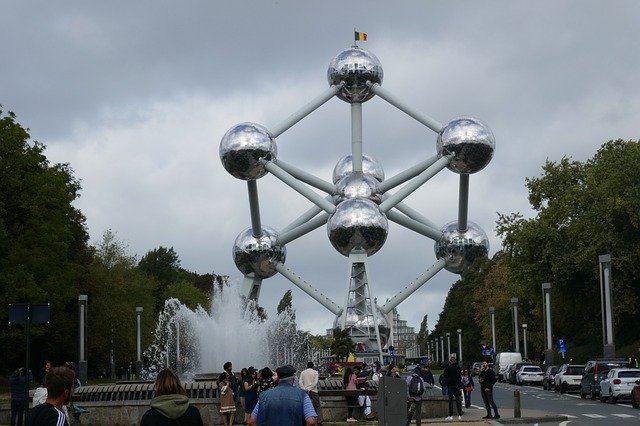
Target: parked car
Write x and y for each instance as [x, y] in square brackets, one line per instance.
[594, 372]
[618, 384]
[513, 371]
[548, 381]
[502, 360]
[529, 374]
[635, 395]
[568, 377]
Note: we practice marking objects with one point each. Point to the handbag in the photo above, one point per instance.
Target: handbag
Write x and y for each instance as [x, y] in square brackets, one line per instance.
[469, 388]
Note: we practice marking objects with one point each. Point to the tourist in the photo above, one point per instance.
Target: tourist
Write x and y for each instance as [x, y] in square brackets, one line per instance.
[244, 376]
[59, 382]
[227, 400]
[18, 385]
[170, 406]
[427, 376]
[266, 381]
[392, 371]
[362, 382]
[44, 370]
[415, 389]
[233, 382]
[487, 379]
[285, 404]
[377, 372]
[250, 386]
[453, 378]
[308, 382]
[467, 387]
[349, 382]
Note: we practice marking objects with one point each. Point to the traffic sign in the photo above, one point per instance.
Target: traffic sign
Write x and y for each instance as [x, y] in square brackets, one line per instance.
[562, 346]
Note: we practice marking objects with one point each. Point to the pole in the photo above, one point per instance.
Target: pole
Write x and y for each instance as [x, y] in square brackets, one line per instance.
[448, 345]
[492, 314]
[442, 359]
[27, 368]
[139, 342]
[82, 337]
[609, 349]
[460, 346]
[524, 338]
[516, 331]
[546, 301]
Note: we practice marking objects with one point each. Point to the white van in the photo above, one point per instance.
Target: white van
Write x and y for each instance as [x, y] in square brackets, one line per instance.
[503, 359]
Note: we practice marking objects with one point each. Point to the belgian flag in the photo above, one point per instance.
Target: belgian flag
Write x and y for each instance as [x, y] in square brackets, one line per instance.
[360, 36]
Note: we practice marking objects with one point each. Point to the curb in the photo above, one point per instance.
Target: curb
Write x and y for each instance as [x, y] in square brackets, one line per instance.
[526, 420]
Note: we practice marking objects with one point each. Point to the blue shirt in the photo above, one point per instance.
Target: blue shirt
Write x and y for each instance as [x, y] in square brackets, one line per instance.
[307, 407]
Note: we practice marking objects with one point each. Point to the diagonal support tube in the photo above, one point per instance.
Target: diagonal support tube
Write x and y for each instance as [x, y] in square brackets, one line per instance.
[285, 177]
[303, 218]
[254, 208]
[303, 229]
[420, 117]
[415, 215]
[463, 202]
[307, 288]
[406, 190]
[307, 178]
[305, 110]
[414, 225]
[411, 288]
[405, 175]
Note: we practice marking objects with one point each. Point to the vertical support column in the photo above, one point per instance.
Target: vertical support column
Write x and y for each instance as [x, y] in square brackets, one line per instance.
[516, 332]
[139, 341]
[492, 314]
[448, 346]
[254, 208]
[548, 330]
[463, 202]
[356, 136]
[524, 341]
[460, 347]
[82, 336]
[606, 297]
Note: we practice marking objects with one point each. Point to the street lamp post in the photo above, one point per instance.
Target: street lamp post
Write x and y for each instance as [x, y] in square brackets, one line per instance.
[139, 341]
[82, 359]
[606, 302]
[437, 351]
[460, 346]
[546, 303]
[524, 339]
[492, 314]
[516, 332]
[448, 345]
[442, 349]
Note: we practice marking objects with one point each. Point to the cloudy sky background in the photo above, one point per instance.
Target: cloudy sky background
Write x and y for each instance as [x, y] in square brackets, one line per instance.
[137, 95]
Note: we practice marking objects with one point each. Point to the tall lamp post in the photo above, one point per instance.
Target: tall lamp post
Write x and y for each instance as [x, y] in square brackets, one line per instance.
[514, 313]
[442, 349]
[437, 351]
[138, 340]
[606, 302]
[82, 337]
[524, 340]
[448, 345]
[460, 345]
[492, 314]
[546, 303]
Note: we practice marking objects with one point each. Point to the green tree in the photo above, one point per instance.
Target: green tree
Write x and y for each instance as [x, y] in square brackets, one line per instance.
[342, 344]
[285, 303]
[43, 246]
[423, 335]
[163, 265]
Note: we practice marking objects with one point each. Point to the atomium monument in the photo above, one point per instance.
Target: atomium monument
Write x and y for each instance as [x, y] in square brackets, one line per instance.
[359, 201]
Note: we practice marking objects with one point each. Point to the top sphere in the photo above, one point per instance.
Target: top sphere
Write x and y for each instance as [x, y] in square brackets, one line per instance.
[355, 67]
[470, 141]
[243, 147]
[370, 166]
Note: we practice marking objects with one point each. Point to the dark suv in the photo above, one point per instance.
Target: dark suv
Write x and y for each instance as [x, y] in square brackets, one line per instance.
[548, 381]
[594, 372]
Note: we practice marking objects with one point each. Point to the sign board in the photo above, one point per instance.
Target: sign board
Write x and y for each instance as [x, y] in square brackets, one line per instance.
[562, 346]
[40, 313]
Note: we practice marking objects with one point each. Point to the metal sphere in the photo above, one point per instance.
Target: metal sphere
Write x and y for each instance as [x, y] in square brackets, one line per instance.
[460, 249]
[357, 323]
[357, 185]
[355, 67]
[470, 141]
[370, 166]
[258, 255]
[243, 147]
[357, 224]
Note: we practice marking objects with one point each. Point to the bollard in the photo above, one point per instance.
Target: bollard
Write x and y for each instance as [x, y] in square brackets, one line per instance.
[516, 404]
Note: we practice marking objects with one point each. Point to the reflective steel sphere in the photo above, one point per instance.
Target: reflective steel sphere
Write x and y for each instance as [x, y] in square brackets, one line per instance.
[470, 141]
[356, 323]
[357, 224]
[357, 185]
[460, 249]
[256, 255]
[242, 148]
[355, 67]
[370, 166]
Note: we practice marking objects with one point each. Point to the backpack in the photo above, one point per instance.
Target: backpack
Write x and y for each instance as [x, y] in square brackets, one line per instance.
[416, 387]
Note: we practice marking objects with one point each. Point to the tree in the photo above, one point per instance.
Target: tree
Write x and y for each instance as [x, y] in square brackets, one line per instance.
[423, 335]
[285, 302]
[43, 245]
[162, 264]
[342, 344]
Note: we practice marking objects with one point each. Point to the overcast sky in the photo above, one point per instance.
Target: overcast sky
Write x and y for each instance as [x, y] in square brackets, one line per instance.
[136, 96]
